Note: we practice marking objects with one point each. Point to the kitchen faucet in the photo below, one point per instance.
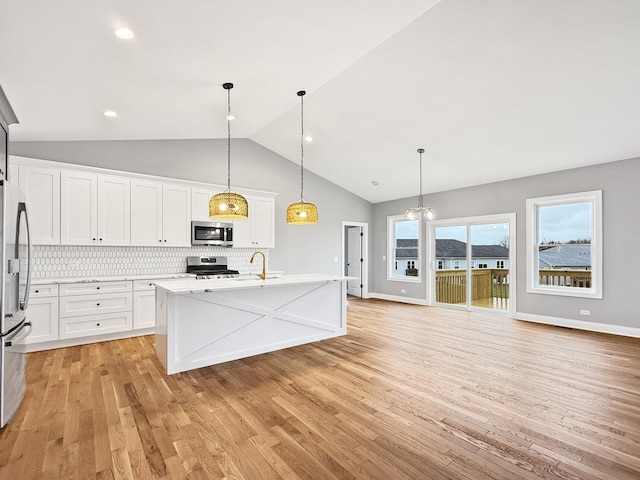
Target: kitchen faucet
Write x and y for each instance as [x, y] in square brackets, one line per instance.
[262, 275]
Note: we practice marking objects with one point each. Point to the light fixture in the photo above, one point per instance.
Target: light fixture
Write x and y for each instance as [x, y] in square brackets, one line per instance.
[124, 33]
[228, 205]
[302, 213]
[110, 114]
[428, 212]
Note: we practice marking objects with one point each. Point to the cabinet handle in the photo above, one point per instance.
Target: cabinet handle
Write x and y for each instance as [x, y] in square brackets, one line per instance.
[97, 324]
[94, 239]
[37, 291]
[98, 304]
[160, 241]
[165, 240]
[100, 239]
[97, 288]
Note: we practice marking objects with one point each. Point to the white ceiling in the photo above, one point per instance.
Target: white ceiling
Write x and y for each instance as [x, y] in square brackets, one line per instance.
[492, 89]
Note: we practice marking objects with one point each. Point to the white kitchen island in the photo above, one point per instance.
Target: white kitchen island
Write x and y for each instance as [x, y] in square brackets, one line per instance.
[205, 322]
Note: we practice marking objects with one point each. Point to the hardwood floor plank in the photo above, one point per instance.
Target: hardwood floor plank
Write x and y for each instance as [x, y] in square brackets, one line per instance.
[411, 392]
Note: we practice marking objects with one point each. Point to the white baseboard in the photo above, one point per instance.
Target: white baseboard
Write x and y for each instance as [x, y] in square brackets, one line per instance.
[580, 324]
[72, 342]
[395, 298]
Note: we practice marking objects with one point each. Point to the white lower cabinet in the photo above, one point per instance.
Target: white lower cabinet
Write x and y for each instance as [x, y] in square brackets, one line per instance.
[144, 304]
[43, 314]
[84, 312]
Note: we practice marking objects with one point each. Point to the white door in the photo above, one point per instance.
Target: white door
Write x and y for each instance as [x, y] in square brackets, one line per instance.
[78, 209]
[262, 222]
[42, 187]
[176, 215]
[114, 210]
[354, 260]
[146, 213]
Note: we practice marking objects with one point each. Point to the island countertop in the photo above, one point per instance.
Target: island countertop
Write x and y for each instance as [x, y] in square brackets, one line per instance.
[189, 286]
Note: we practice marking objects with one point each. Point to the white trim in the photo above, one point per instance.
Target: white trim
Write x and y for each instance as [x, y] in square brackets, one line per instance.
[395, 298]
[580, 324]
[595, 199]
[509, 218]
[72, 342]
[391, 237]
[364, 272]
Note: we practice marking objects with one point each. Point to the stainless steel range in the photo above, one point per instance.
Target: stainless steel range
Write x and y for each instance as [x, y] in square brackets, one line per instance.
[210, 267]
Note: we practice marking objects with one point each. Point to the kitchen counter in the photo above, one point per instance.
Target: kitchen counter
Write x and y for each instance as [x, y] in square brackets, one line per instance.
[163, 276]
[206, 322]
[190, 286]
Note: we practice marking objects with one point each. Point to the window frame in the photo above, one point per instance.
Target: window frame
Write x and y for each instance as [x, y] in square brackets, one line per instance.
[391, 249]
[595, 199]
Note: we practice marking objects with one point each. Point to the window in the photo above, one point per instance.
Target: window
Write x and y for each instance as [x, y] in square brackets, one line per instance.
[403, 249]
[440, 265]
[500, 264]
[564, 245]
[456, 264]
[482, 265]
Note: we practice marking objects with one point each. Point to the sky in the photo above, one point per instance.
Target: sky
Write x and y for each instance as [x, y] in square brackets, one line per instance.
[560, 223]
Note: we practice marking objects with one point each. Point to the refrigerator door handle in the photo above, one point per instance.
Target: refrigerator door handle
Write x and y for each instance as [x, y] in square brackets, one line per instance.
[22, 208]
[8, 342]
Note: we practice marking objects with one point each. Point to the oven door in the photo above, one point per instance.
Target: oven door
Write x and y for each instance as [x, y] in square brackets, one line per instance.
[211, 233]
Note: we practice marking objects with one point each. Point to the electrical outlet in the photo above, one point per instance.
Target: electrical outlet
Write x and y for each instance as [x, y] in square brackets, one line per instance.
[585, 312]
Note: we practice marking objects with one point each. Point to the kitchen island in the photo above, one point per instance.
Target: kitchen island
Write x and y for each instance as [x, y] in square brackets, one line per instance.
[205, 322]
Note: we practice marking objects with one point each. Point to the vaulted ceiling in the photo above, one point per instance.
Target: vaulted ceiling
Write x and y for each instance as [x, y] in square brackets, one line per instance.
[492, 89]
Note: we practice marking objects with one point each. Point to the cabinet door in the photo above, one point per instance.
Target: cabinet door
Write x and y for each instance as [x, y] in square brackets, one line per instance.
[43, 315]
[78, 209]
[242, 231]
[114, 210]
[176, 216]
[146, 213]
[144, 309]
[200, 204]
[263, 222]
[42, 188]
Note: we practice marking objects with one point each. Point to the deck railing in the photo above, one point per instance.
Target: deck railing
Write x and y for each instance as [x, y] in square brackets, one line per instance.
[490, 286]
[565, 278]
[486, 284]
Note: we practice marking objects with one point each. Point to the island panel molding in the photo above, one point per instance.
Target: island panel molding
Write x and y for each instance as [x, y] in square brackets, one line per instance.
[207, 326]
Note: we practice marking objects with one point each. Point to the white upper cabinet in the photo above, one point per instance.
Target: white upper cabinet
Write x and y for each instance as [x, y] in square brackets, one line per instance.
[258, 231]
[146, 213]
[42, 188]
[95, 209]
[114, 210]
[160, 214]
[176, 210]
[200, 203]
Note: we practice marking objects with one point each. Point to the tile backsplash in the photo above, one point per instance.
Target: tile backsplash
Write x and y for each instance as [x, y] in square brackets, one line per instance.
[67, 261]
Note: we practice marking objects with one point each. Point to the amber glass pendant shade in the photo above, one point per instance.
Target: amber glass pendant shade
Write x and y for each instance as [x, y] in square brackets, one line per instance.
[302, 213]
[228, 206]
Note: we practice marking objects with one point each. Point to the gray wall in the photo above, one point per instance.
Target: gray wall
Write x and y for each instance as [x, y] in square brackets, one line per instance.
[299, 249]
[621, 218]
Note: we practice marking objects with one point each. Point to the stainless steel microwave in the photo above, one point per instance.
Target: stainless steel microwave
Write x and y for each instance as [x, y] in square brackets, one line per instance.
[212, 233]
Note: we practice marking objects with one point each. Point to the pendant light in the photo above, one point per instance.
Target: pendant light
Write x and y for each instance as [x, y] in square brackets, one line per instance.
[302, 213]
[428, 212]
[228, 205]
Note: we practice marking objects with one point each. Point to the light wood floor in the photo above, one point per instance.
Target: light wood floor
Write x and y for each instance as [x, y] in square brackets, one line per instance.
[410, 393]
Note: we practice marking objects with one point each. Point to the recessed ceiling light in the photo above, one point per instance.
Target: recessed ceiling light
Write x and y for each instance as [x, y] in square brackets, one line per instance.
[375, 183]
[230, 117]
[308, 138]
[110, 114]
[124, 33]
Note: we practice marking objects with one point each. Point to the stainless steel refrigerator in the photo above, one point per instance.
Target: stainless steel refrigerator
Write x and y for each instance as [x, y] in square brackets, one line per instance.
[15, 261]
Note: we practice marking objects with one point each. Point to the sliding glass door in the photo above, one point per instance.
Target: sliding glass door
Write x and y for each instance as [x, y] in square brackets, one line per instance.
[472, 262]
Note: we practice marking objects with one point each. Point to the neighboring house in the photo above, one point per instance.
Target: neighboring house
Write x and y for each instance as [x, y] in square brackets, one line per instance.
[566, 257]
[450, 254]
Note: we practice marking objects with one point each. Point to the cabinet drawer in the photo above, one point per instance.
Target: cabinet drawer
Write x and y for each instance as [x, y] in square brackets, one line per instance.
[88, 288]
[79, 305]
[95, 324]
[37, 291]
[142, 285]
